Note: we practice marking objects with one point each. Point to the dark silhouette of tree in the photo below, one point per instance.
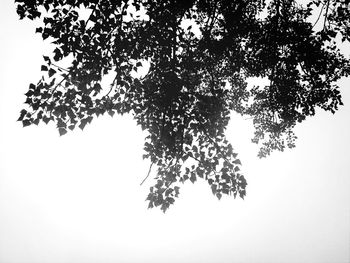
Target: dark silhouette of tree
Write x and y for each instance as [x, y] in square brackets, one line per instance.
[200, 54]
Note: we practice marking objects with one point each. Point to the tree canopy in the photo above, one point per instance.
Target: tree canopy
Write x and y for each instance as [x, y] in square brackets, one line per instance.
[199, 55]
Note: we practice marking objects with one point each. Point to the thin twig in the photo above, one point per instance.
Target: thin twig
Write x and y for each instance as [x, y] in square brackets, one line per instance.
[64, 69]
[325, 15]
[149, 171]
[319, 15]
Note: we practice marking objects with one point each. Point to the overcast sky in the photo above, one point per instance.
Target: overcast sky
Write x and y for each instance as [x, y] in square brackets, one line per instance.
[78, 198]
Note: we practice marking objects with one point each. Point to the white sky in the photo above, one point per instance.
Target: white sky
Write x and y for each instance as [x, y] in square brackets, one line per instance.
[77, 198]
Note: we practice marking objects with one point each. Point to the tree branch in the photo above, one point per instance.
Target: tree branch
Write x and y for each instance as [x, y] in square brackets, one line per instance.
[325, 15]
[319, 16]
[149, 171]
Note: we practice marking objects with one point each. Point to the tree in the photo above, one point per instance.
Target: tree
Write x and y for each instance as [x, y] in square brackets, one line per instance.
[200, 54]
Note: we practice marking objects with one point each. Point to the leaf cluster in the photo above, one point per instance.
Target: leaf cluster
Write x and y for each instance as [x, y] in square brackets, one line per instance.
[200, 54]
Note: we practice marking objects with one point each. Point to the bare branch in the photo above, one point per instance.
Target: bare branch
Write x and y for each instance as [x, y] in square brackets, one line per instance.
[149, 171]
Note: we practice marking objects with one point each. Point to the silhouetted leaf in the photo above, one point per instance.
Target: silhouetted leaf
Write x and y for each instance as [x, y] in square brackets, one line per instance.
[51, 72]
[83, 124]
[237, 161]
[23, 113]
[193, 177]
[111, 113]
[62, 131]
[26, 123]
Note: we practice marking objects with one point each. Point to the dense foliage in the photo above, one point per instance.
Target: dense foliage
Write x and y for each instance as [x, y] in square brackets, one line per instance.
[200, 54]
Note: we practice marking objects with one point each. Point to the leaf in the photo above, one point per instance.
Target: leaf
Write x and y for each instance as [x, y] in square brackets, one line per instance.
[193, 177]
[150, 204]
[51, 72]
[242, 194]
[170, 200]
[36, 121]
[200, 172]
[22, 114]
[237, 161]
[83, 124]
[213, 188]
[62, 131]
[164, 207]
[58, 54]
[43, 68]
[225, 191]
[176, 188]
[97, 88]
[46, 119]
[111, 113]
[168, 191]
[26, 123]
[89, 119]
[61, 123]
[47, 59]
